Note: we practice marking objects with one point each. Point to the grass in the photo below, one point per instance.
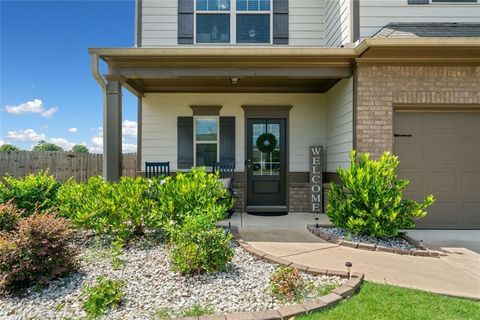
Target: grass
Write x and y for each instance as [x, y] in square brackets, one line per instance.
[376, 301]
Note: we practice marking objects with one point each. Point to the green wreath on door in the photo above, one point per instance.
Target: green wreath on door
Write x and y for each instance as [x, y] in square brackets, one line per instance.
[266, 142]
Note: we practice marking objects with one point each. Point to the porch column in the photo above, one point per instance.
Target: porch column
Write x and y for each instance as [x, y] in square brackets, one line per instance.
[112, 130]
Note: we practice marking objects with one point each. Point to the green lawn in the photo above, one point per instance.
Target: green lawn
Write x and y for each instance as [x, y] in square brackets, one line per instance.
[376, 301]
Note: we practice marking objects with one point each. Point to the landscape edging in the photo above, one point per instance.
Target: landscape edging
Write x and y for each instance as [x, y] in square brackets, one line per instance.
[349, 288]
[425, 252]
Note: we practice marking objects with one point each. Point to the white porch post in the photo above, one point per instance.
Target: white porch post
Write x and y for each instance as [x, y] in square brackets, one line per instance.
[112, 130]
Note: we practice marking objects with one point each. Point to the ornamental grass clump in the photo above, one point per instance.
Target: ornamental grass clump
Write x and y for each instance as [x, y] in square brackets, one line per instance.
[36, 253]
[370, 201]
[198, 246]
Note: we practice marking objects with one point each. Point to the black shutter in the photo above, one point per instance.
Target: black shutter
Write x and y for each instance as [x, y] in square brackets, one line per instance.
[227, 140]
[418, 1]
[280, 21]
[185, 21]
[185, 142]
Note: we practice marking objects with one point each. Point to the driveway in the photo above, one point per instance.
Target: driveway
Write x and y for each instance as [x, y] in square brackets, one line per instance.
[448, 240]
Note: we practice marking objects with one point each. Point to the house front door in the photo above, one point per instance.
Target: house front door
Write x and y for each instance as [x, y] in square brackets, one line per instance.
[266, 165]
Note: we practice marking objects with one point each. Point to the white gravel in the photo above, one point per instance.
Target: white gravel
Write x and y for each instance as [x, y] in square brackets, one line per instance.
[396, 243]
[152, 286]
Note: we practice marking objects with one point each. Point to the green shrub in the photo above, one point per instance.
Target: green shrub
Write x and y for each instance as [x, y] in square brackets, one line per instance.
[199, 246]
[9, 216]
[370, 200]
[121, 209]
[192, 193]
[36, 253]
[287, 284]
[34, 192]
[105, 294]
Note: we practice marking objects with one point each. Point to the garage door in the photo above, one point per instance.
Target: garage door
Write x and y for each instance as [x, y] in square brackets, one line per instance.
[440, 154]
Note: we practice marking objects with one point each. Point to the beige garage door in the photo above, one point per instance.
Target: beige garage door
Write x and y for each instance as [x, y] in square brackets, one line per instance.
[440, 154]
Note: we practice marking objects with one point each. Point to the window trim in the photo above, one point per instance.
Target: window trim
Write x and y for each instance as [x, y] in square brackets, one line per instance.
[195, 142]
[233, 24]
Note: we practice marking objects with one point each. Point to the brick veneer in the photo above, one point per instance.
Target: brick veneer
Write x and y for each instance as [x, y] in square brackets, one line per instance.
[379, 88]
[299, 197]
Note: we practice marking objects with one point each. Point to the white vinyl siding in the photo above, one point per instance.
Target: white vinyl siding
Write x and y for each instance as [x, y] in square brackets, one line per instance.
[159, 23]
[338, 15]
[374, 14]
[339, 134]
[160, 112]
[306, 22]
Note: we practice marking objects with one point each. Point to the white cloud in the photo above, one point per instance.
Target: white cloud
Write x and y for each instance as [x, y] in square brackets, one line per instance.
[33, 106]
[49, 112]
[72, 130]
[97, 143]
[25, 135]
[129, 128]
[64, 143]
[2, 142]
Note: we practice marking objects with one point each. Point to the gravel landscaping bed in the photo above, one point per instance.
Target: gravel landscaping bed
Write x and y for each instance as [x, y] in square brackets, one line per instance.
[151, 286]
[394, 243]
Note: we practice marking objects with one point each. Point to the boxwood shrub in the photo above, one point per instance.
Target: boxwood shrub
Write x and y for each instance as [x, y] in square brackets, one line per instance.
[370, 201]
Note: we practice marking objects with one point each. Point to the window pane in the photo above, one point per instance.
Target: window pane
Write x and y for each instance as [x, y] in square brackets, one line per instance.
[252, 5]
[206, 154]
[206, 129]
[201, 4]
[265, 5]
[242, 5]
[213, 28]
[253, 28]
[213, 5]
[224, 5]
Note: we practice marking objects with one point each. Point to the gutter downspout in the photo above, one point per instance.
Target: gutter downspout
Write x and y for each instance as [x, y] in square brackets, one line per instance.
[94, 59]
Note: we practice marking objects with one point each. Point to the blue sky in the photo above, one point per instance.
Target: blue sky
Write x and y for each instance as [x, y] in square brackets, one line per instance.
[46, 88]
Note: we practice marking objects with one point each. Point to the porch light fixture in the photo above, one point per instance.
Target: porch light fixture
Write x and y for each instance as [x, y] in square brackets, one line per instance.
[349, 268]
[234, 80]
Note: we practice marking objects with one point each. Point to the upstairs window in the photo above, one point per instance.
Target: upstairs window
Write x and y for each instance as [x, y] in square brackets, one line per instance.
[253, 21]
[233, 21]
[213, 21]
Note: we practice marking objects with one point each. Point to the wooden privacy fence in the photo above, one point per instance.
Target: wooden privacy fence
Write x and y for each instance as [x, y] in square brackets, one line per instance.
[63, 165]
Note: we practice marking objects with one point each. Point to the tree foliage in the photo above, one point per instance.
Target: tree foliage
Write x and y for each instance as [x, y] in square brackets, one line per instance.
[43, 145]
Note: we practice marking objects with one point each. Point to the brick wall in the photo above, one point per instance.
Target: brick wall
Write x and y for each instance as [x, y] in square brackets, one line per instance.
[380, 87]
[299, 197]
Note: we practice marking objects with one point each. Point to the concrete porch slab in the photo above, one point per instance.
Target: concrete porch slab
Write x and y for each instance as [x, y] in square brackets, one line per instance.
[291, 220]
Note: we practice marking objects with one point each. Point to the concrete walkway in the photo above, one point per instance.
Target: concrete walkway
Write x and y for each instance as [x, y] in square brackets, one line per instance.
[457, 274]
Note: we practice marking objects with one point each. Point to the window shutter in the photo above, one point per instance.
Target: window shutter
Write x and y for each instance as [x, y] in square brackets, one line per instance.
[185, 142]
[227, 140]
[185, 21]
[280, 21]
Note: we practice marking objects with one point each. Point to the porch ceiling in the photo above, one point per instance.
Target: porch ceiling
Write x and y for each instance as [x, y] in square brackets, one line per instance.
[260, 69]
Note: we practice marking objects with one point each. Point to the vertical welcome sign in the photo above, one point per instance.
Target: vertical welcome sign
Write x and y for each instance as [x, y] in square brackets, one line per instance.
[316, 178]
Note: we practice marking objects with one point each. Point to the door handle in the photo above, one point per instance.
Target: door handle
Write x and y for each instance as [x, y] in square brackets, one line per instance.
[248, 163]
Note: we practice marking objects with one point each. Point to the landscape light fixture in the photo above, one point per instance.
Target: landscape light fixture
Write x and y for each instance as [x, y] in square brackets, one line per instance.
[234, 80]
[349, 268]
[316, 222]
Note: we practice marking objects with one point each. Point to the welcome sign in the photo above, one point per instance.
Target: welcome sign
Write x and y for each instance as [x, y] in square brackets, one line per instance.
[316, 178]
